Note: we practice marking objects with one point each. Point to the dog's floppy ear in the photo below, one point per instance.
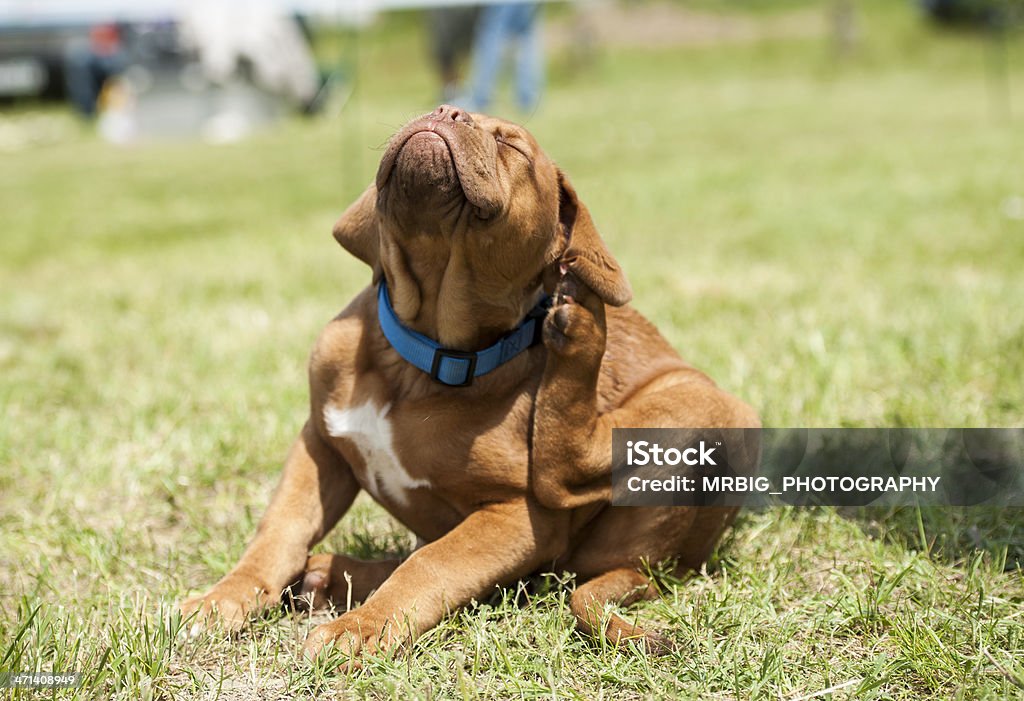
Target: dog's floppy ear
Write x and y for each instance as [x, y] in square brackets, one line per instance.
[586, 254]
[357, 230]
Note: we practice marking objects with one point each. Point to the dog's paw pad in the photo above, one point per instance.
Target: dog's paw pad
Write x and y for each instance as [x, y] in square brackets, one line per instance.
[314, 581]
[314, 589]
[571, 329]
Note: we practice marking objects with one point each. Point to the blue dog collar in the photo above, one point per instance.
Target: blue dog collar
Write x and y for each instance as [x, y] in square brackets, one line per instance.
[453, 367]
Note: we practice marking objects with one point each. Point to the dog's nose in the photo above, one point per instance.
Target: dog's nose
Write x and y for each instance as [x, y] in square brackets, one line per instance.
[455, 114]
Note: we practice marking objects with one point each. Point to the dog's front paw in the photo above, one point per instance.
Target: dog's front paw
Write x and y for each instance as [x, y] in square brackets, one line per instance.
[353, 635]
[575, 326]
[229, 604]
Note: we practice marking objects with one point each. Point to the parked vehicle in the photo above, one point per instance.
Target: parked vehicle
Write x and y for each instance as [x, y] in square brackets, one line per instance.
[32, 58]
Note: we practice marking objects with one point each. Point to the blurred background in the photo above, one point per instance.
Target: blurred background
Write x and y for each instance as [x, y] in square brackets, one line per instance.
[819, 203]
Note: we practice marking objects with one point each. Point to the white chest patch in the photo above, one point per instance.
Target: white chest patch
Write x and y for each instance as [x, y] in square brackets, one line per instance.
[370, 431]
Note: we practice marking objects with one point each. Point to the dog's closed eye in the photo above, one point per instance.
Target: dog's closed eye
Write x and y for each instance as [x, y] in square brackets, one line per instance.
[504, 140]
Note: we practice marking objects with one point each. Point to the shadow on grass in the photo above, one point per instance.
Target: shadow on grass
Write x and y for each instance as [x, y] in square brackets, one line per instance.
[948, 533]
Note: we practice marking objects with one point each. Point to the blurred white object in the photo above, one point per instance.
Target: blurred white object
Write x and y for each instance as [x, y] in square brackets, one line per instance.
[227, 127]
[1013, 207]
[227, 36]
[117, 118]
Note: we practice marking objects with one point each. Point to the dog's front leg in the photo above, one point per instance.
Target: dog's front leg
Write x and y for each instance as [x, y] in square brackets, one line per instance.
[317, 487]
[493, 546]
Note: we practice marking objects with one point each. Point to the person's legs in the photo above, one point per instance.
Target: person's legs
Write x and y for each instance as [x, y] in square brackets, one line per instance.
[491, 34]
[82, 82]
[85, 72]
[441, 35]
[529, 57]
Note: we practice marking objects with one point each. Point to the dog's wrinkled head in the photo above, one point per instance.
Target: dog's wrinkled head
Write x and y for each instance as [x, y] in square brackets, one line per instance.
[468, 219]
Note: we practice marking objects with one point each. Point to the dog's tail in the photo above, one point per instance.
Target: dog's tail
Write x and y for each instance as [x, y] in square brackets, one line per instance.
[622, 586]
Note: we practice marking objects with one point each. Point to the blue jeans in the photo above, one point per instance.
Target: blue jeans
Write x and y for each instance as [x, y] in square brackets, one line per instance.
[85, 72]
[499, 25]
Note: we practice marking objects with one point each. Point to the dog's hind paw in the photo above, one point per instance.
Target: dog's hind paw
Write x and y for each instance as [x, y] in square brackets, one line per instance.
[314, 590]
[658, 645]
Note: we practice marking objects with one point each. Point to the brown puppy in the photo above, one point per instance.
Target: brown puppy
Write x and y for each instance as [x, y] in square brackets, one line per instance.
[469, 224]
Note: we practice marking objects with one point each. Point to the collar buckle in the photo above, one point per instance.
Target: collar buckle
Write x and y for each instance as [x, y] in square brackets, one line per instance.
[440, 354]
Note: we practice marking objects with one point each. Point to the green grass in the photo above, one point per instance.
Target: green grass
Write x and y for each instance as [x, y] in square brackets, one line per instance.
[833, 241]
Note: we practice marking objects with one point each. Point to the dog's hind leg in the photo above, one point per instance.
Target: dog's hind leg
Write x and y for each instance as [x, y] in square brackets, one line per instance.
[341, 580]
[623, 586]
